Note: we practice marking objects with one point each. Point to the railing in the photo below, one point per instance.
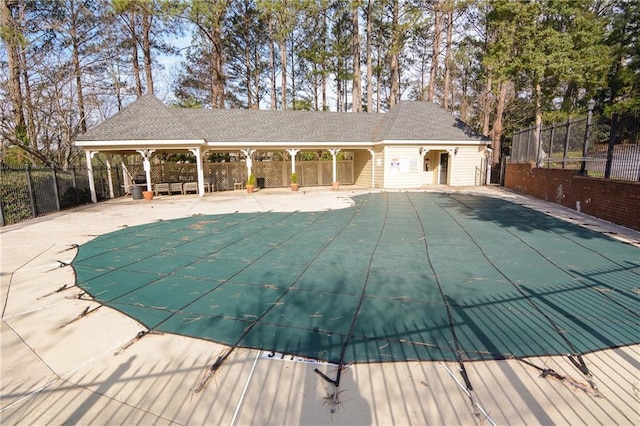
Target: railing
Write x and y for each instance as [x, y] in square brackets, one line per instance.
[608, 148]
[27, 192]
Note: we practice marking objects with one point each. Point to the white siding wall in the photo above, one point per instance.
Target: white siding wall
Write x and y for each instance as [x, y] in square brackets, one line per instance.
[362, 167]
[465, 166]
[378, 165]
[402, 167]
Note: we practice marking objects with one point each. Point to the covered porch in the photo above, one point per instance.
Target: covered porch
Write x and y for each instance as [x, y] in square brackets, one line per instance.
[201, 169]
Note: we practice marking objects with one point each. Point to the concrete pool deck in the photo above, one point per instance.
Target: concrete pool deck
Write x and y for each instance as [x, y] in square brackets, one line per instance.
[59, 366]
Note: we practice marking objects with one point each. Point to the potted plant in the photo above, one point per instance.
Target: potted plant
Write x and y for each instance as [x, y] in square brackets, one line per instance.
[251, 183]
[148, 195]
[335, 186]
[294, 182]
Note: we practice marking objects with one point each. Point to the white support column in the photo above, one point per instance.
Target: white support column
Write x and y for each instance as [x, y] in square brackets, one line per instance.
[292, 152]
[248, 153]
[334, 152]
[108, 157]
[92, 185]
[373, 167]
[146, 155]
[489, 156]
[423, 153]
[199, 168]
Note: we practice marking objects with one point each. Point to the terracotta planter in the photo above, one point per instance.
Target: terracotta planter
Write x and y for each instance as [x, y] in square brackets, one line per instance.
[295, 186]
[335, 186]
[148, 195]
[250, 188]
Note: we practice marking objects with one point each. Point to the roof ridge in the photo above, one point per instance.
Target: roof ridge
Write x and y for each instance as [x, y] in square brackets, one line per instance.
[148, 118]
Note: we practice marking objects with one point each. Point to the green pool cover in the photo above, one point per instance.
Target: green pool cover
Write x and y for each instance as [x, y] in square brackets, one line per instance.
[398, 276]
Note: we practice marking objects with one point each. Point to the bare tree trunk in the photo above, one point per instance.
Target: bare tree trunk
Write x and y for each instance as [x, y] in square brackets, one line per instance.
[378, 81]
[76, 65]
[325, 104]
[147, 20]
[11, 35]
[114, 70]
[369, 59]
[214, 66]
[293, 74]
[393, 62]
[487, 103]
[338, 94]
[537, 100]
[437, 30]
[134, 52]
[256, 81]
[247, 82]
[28, 105]
[218, 64]
[272, 67]
[464, 101]
[496, 131]
[356, 95]
[315, 81]
[447, 60]
[283, 72]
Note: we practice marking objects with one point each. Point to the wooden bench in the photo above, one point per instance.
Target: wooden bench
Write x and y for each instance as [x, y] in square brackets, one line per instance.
[190, 186]
[161, 187]
[175, 187]
[168, 187]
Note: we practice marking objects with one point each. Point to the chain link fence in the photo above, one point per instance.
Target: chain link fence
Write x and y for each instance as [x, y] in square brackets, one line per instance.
[608, 148]
[27, 192]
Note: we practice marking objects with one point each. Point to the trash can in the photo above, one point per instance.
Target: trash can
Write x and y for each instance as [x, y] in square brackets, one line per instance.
[136, 192]
[260, 182]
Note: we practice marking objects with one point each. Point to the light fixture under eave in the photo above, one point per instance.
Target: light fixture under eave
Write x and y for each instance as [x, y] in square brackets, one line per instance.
[455, 151]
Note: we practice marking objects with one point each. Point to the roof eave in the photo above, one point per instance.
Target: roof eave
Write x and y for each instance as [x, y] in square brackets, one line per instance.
[119, 145]
[287, 145]
[471, 142]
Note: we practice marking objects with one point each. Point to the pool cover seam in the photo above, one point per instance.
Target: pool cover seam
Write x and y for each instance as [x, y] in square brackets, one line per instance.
[151, 255]
[445, 300]
[573, 349]
[456, 197]
[356, 314]
[257, 321]
[238, 272]
[571, 275]
[164, 276]
[273, 224]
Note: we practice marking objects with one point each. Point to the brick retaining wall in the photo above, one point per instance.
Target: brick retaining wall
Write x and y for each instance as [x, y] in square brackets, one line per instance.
[612, 200]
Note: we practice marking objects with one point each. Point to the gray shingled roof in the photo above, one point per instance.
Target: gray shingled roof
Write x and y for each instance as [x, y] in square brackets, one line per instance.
[241, 125]
[411, 120]
[149, 119]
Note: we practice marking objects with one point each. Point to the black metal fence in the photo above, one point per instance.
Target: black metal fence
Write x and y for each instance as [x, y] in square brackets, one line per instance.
[27, 192]
[607, 148]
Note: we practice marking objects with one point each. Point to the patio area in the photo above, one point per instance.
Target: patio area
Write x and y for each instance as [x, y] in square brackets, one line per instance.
[69, 357]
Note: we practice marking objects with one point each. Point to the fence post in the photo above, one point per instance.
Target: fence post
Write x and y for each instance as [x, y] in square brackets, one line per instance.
[553, 132]
[32, 198]
[539, 146]
[528, 152]
[102, 189]
[585, 147]
[56, 191]
[2, 223]
[612, 142]
[75, 185]
[567, 136]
